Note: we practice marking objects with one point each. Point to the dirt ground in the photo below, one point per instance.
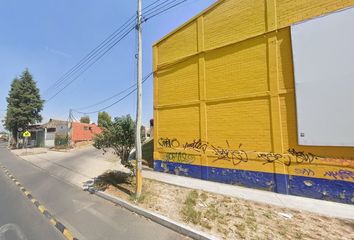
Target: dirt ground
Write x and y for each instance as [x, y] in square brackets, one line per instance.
[226, 217]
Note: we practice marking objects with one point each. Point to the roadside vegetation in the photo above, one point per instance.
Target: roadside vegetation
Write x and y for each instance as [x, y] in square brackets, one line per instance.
[119, 135]
[24, 104]
[223, 216]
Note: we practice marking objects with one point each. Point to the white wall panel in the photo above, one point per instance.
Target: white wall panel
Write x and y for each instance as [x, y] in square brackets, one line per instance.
[323, 55]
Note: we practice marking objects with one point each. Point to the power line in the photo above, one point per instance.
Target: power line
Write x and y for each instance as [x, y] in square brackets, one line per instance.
[151, 15]
[160, 6]
[151, 4]
[85, 69]
[119, 100]
[115, 95]
[105, 46]
[93, 53]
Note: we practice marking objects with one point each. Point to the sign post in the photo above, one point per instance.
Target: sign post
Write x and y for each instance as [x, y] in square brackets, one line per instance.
[26, 135]
[18, 137]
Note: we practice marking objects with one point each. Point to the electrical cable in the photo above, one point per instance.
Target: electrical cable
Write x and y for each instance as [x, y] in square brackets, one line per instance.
[113, 96]
[148, 17]
[154, 11]
[119, 100]
[160, 6]
[151, 4]
[92, 54]
[105, 52]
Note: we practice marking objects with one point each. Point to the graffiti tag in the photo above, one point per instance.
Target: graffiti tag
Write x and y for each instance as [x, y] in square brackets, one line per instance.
[179, 157]
[341, 174]
[273, 158]
[236, 156]
[197, 145]
[168, 142]
[304, 171]
[302, 156]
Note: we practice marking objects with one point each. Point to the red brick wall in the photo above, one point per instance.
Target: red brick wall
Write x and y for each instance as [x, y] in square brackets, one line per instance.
[83, 131]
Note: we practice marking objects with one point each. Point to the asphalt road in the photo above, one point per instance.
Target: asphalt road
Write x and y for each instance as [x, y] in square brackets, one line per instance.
[86, 216]
[19, 219]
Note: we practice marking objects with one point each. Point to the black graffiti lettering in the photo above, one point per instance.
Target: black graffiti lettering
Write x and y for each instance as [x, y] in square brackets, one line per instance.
[304, 171]
[274, 158]
[168, 142]
[236, 156]
[302, 156]
[341, 174]
[179, 157]
[197, 145]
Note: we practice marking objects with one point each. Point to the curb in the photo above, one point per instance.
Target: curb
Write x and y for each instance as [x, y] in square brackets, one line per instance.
[58, 225]
[162, 220]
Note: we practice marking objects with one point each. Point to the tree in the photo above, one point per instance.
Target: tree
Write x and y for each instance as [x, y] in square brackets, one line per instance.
[118, 135]
[24, 103]
[85, 119]
[104, 119]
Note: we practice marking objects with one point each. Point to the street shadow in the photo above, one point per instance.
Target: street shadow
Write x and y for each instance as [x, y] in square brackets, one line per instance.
[114, 178]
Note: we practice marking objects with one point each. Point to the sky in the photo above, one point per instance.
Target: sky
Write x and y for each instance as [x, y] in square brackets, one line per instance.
[50, 37]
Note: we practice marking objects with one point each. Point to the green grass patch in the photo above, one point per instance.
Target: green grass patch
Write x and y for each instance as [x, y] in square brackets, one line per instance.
[142, 198]
[189, 212]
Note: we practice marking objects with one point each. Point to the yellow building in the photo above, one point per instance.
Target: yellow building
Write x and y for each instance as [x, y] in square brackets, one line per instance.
[225, 106]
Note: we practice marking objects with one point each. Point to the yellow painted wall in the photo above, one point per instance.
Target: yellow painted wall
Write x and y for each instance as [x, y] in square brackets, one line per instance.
[226, 77]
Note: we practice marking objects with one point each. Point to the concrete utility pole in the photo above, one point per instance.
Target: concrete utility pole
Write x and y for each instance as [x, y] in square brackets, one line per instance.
[139, 105]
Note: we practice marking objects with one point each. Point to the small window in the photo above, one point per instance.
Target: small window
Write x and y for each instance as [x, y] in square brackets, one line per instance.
[51, 129]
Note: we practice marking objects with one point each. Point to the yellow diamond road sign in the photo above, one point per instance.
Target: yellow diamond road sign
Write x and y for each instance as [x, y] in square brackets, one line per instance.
[26, 134]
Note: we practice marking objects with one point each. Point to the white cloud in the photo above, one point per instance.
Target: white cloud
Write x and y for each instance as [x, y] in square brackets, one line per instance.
[57, 52]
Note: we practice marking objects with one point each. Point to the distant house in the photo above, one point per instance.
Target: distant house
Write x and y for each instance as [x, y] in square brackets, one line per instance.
[83, 131]
[45, 135]
[4, 135]
[54, 129]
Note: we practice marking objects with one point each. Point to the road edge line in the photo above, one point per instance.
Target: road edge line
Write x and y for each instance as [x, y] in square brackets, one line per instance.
[162, 220]
[58, 225]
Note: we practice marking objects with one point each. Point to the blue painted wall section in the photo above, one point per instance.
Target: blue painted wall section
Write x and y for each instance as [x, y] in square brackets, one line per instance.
[333, 190]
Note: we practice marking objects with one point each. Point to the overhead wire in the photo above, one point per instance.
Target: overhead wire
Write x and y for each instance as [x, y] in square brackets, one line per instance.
[114, 103]
[91, 58]
[148, 6]
[160, 6]
[93, 52]
[156, 12]
[152, 14]
[113, 96]
[87, 67]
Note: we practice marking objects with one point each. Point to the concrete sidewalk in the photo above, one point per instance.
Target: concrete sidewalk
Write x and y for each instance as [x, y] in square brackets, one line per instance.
[74, 166]
[83, 164]
[322, 207]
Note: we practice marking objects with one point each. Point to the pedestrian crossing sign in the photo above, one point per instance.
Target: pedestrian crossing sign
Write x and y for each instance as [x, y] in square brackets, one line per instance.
[26, 134]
